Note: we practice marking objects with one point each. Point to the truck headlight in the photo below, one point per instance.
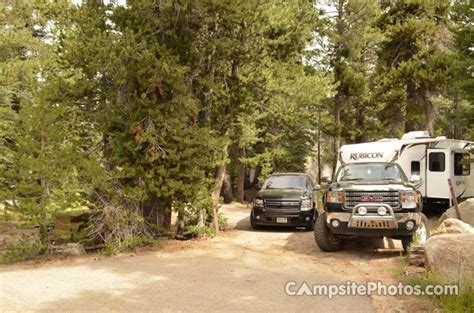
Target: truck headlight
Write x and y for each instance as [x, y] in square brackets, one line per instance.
[409, 199]
[306, 204]
[381, 210]
[362, 210]
[258, 203]
[334, 197]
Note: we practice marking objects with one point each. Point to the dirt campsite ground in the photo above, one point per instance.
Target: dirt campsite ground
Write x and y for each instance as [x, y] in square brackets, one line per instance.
[239, 270]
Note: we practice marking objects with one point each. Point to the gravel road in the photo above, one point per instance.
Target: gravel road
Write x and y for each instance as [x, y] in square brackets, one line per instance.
[240, 270]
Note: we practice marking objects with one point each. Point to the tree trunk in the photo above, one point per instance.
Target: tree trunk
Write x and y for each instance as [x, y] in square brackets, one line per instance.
[360, 126]
[319, 147]
[43, 231]
[221, 171]
[337, 132]
[241, 177]
[220, 175]
[395, 118]
[409, 123]
[227, 189]
[456, 126]
[430, 115]
[252, 176]
[416, 104]
[107, 152]
[157, 212]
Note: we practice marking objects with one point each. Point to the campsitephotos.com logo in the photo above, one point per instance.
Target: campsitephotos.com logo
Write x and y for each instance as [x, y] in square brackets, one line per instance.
[351, 288]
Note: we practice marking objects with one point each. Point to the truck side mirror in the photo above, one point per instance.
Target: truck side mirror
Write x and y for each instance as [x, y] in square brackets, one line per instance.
[326, 179]
[414, 179]
[258, 185]
[316, 187]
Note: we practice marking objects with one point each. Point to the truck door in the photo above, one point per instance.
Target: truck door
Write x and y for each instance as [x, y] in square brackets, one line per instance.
[437, 173]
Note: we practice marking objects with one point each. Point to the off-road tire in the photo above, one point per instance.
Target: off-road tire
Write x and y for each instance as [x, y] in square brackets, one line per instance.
[323, 236]
[407, 241]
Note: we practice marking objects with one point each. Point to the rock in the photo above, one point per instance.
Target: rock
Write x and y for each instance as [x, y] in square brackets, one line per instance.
[451, 255]
[452, 226]
[417, 260]
[417, 256]
[467, 212]
[73, 249]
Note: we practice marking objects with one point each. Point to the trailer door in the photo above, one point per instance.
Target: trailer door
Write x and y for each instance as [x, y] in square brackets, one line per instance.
[437, 173]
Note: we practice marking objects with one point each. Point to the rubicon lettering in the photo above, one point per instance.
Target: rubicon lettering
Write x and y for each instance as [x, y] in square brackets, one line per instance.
[366, 155]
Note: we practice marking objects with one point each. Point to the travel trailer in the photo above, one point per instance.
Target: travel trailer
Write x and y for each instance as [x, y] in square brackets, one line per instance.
[428, 161]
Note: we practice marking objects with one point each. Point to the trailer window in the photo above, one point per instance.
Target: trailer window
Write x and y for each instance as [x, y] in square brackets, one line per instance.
[415, 167]
[462, 166]
[437, 162]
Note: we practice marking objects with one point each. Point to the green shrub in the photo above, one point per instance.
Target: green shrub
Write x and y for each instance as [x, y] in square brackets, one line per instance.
[22, 250]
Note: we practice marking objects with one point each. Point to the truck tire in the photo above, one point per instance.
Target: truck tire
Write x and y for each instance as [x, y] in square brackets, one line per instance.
[323, 236]
[422, 234]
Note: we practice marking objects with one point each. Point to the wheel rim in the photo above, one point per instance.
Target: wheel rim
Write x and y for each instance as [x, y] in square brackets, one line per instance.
[421, 234]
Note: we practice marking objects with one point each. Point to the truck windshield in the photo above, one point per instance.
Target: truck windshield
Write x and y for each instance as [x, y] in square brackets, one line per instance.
[370, 172]
[285, 182]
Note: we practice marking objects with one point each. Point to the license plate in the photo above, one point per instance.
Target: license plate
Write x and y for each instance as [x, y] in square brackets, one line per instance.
[282, 220]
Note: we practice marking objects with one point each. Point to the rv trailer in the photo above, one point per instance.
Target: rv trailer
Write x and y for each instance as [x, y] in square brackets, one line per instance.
[434, 160]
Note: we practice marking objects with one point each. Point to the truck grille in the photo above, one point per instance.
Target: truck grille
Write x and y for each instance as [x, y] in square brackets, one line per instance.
[352, 198]
[282, 206]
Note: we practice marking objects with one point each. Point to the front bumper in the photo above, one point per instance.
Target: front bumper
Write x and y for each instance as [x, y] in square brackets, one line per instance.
[390, 225]
[301, 218]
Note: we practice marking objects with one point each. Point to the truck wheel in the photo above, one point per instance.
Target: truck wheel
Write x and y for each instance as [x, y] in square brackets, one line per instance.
[253, 223]
[325, 239]
[421, 235]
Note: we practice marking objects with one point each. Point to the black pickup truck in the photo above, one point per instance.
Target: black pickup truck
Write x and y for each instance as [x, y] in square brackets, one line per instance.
[371, 199]
[286, 199]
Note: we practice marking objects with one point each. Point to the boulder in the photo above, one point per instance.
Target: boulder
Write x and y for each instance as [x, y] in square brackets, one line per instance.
[467, 212]
[452, 226]
[451, 255]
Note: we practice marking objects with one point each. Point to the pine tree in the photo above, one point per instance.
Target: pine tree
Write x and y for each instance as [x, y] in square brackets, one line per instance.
[39, 138]
[351, 55]
[414, 63]
[458, 116]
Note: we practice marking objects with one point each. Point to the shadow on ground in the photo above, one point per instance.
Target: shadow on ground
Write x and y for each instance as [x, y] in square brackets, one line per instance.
[302, 242]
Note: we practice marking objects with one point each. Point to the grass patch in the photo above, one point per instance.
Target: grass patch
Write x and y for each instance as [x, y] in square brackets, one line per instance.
[400, 270]
[462, 302]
